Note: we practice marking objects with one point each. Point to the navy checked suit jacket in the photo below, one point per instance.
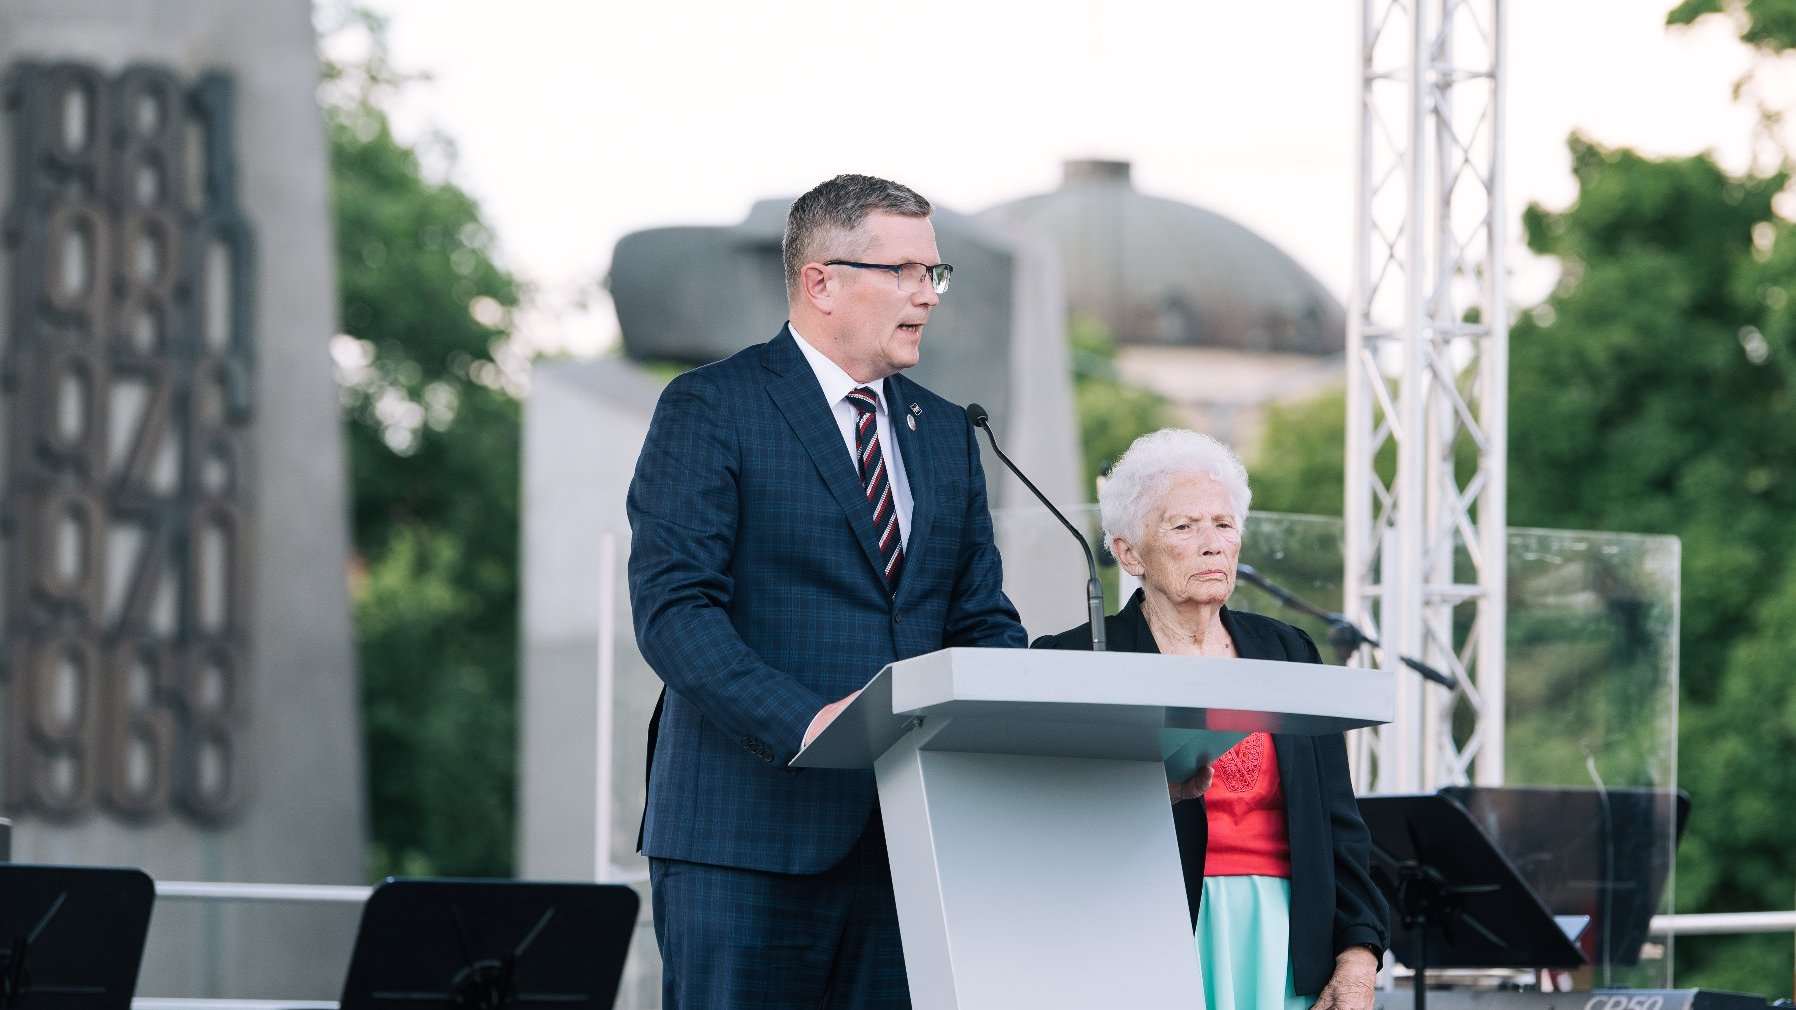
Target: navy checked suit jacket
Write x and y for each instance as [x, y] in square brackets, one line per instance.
[757, 597]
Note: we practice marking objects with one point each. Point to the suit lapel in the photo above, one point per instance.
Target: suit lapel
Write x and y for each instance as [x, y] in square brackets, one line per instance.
[917, 471]
[1247, 644]
[1128, 630]
[795, 392]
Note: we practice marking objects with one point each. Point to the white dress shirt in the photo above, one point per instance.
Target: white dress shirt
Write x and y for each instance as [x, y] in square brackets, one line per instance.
[837, 384]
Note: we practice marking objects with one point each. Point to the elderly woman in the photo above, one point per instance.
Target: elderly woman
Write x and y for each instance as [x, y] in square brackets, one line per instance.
[1288, 914]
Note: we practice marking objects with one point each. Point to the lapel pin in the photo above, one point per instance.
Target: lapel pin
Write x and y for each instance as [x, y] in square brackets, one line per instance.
[915, 409]
[911, 420]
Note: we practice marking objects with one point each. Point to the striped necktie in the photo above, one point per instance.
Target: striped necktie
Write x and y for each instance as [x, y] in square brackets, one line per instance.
[877, 482]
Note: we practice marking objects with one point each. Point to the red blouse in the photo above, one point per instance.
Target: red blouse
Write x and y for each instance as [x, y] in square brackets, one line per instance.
[1245, 807]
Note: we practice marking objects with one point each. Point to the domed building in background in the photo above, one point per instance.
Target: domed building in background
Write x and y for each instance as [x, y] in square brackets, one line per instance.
[1204, 311]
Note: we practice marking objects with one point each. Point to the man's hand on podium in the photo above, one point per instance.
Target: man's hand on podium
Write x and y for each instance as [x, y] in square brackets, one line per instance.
[825, 715]
[1192, 787]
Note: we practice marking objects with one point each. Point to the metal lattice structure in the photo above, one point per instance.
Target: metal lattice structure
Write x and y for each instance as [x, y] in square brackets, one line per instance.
[1428, 384]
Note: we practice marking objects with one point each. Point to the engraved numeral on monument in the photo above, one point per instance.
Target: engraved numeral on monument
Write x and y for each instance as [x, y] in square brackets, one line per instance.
[208, 769]
[126, 359]
[56, 723]
[140, 727]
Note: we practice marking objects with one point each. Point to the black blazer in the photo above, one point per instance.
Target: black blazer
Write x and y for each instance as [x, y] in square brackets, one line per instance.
[1334, 904]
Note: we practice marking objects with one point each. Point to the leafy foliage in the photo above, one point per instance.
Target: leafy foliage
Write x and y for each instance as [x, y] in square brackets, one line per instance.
[1300, 467]
[432, 425]
[1112, 413]
[1739, 741]
[1635, 401]
[1767, 24]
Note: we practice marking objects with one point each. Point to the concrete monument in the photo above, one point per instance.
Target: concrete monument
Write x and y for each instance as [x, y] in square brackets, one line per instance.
[179, 685]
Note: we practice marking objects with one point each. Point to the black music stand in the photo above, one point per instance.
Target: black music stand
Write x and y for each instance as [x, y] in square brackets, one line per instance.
[1604, 853]
[490, 945]
[1455, 900]
[71, 937]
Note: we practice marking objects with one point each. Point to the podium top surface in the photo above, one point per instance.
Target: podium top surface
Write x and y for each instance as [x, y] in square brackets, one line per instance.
[1111, 694]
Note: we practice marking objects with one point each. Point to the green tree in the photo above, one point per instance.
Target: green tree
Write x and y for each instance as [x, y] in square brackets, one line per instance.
[1112, 413]
[1768, 24]
[1636, 403]
[1743, 729]
[430, 398]
[1300, 463]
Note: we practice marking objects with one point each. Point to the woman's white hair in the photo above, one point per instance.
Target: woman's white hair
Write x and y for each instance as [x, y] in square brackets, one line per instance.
[1138, 480]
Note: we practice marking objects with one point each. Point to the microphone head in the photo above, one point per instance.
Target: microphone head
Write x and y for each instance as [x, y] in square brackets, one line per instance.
[977, 415]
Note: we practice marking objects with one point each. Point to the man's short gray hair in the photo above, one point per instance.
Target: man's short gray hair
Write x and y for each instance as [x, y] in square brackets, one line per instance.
[1138, 480]
[822, 223]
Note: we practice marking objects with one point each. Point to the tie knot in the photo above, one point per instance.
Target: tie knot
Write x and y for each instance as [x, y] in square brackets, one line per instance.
[863, 399]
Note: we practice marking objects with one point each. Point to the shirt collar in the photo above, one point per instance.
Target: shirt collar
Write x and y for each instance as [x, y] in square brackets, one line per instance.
[835, 382]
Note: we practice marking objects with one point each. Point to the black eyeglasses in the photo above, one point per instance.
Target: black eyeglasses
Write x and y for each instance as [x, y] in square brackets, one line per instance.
[910, 275]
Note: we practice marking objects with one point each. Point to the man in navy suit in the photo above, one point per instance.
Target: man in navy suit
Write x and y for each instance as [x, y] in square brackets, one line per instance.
[802, 515]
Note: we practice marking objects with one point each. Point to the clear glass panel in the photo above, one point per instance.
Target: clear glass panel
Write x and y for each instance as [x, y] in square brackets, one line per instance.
[1592, 733]
[1587, 813]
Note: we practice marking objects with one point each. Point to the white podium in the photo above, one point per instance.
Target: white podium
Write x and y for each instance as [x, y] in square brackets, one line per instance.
[1025, 807]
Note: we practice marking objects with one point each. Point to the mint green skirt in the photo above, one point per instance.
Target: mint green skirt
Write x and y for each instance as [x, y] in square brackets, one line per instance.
[1244, 945]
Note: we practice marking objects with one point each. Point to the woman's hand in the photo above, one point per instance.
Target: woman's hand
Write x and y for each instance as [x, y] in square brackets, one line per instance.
[1192, 787]
[1350, 988]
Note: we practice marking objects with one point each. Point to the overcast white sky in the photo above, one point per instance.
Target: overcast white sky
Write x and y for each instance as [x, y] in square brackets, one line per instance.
[578, 122]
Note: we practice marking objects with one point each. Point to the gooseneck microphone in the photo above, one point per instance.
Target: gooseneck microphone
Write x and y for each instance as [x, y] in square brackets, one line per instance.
[1094, 590]
[1343, 634]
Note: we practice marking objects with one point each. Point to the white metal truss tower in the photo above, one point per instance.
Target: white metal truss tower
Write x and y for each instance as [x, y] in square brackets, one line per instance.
[1427, 374]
